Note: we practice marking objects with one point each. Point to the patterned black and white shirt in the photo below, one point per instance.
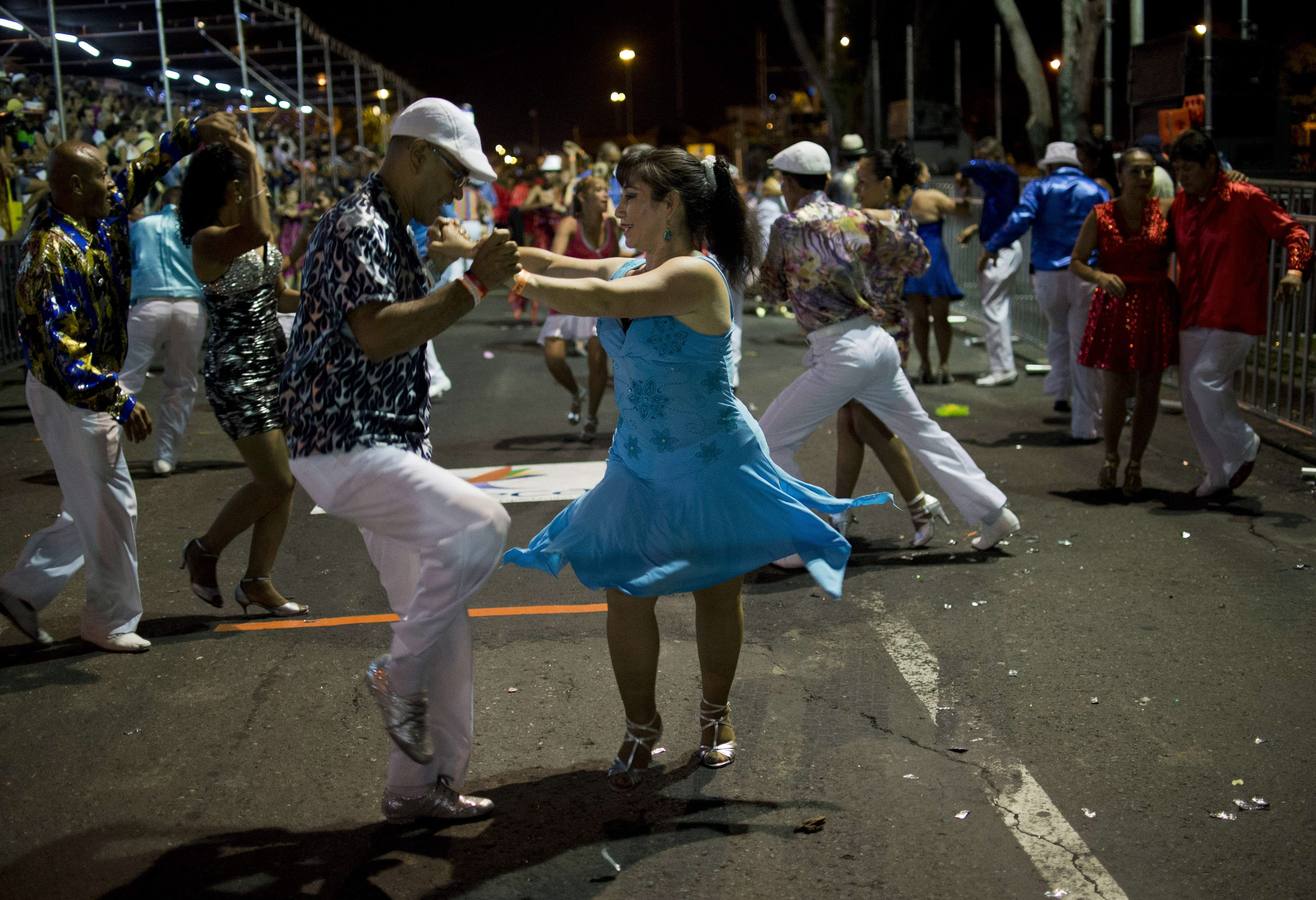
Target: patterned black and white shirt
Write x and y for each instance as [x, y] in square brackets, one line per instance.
[334, 398]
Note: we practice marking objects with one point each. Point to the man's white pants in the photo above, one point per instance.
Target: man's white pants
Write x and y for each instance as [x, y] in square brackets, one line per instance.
[1065, 300]
[179, 325]
[434, 540]
[859, 360]
[1208, 359]
[97, 525]
[994, 288]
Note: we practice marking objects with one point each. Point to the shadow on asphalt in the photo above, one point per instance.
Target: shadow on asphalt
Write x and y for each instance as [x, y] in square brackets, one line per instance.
[142, 471]
[1054, 438]
[865, 554]
[1173, 503]
[15, 414]
[541, 818]
[19, 655]
[553, 443]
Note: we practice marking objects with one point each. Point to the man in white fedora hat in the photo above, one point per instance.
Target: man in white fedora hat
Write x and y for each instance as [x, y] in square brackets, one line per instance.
[1054, 207]
[356, 400]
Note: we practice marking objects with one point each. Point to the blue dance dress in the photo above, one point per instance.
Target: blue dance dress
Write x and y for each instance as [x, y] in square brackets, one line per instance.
[689, 498]
[937, 281]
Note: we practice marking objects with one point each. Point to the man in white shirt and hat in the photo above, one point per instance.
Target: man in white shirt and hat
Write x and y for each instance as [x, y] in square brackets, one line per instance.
[842, 186]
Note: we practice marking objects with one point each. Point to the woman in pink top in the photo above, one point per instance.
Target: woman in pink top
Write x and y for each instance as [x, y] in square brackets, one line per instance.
[588, 233]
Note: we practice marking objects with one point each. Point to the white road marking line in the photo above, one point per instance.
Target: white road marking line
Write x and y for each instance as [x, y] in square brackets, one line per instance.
[1057, 852]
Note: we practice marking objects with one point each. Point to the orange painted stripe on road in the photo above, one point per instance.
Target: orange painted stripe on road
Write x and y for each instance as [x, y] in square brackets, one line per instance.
[383, 618]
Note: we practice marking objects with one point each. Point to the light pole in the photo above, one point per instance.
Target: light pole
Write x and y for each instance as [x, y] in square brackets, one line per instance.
[627, 56]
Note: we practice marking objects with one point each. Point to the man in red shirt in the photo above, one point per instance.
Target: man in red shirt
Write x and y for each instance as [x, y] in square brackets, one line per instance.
[1222, 233]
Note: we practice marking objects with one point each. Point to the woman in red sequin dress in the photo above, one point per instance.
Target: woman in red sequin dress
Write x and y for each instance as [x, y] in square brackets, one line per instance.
[1132, 331]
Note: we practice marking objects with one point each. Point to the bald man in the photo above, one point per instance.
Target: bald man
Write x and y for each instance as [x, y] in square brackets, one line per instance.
[73, 289]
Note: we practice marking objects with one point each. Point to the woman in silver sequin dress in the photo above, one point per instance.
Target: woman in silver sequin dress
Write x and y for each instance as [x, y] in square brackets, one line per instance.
[224, 215]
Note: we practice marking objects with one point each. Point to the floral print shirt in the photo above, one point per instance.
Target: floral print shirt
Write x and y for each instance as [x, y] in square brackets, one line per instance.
[833, 263]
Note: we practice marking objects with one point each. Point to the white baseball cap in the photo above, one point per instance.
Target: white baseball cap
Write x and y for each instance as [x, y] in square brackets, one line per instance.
[444, 124]
[803, 158]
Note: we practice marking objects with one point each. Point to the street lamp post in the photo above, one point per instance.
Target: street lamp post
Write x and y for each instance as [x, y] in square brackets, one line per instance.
[627, 56]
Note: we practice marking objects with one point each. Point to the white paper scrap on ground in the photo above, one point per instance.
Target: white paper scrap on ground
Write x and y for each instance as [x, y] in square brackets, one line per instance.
[531, 483]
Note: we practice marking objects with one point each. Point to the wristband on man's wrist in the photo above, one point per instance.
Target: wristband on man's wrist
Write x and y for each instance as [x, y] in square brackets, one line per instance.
[476, 289]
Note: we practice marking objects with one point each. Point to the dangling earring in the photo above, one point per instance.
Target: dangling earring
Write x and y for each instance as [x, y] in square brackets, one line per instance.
[667, 233]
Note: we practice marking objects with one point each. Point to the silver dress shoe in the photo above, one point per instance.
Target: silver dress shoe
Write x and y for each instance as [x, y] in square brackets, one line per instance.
[24, 617]
[440, 802]
[404, 717]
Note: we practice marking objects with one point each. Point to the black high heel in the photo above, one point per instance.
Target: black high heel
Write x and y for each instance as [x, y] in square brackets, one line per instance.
[206, 590]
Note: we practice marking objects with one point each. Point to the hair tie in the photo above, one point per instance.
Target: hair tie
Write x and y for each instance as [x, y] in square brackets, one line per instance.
[708, 162]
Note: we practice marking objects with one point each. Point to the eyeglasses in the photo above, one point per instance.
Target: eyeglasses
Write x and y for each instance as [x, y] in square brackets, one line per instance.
[459, 178]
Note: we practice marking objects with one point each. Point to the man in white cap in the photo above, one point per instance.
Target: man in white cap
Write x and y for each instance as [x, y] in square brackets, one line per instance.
[1055, 207]
[842, 186]
[356, 401]
[839, 267]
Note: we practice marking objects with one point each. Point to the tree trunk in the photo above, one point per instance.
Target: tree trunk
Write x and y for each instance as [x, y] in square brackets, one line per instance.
[812, 67]
[1030, 72]
[1081, 28]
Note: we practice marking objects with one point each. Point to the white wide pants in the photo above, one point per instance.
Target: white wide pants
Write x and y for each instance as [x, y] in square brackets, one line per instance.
[180, 326]
[1208, 359]
[994, 289]
[859, 360]
[434, 540]
[1065, 300]
[97, 525]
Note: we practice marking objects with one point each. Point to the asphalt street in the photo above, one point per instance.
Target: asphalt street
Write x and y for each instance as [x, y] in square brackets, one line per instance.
[1065, 713]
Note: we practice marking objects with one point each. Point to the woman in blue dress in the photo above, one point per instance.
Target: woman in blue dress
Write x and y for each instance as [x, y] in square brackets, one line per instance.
[936, 288]
[690, 500]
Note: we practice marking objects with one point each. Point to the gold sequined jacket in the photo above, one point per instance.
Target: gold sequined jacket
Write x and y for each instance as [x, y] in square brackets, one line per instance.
[74, 284]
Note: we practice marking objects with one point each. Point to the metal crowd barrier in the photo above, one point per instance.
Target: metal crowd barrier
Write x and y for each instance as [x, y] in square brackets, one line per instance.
[1278, 381]
[10, 351]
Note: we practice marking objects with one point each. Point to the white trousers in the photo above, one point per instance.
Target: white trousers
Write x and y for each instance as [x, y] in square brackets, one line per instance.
[1065, 300]
[859, 360]
[434, 540]
[96, 526]
[1208, 359]
[994, 288]
[180, 327]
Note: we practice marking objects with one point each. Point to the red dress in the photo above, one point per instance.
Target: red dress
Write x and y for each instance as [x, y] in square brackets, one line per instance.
[1138, 332]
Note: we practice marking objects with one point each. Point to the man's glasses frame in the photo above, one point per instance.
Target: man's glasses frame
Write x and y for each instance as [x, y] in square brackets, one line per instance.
[460, 179]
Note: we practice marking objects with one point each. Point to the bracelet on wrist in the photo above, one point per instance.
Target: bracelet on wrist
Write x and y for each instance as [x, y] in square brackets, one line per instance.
[477, 292]
[478, 284]
[520, 281]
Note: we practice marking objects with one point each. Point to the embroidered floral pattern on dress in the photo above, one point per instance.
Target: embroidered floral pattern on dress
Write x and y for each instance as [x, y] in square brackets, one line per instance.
[709, 452]
[633, 448]
[714, 380]
[668, 336]
[647, 399]
[663, 441]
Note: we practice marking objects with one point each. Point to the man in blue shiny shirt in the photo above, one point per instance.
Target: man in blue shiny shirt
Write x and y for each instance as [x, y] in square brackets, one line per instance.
[999, 183]
[1055, 207]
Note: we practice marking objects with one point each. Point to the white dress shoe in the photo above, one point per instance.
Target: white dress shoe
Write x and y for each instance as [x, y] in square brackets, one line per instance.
[24, 617]
[162, 467]
[119, 643]
[1006, 523]
[997, 379]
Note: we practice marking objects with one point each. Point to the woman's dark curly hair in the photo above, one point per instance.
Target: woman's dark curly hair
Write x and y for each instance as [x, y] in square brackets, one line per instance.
[208, 176]
[715, 213]
[900, 163]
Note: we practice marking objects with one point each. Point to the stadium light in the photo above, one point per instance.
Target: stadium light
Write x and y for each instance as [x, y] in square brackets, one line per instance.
[284, 104]
[201, 79]
[626, 55]
[223, 86]
[246, 92]
[122, 63]
[305, 110]
[382, 93]
[89, 49]
[66, 38]
[11, 24]
[171, 75]
[845, 40]
[1200, 28]
[1055, 64]
[271, 99]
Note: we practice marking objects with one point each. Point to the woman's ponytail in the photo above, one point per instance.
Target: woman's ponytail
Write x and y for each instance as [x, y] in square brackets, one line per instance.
[731, 235]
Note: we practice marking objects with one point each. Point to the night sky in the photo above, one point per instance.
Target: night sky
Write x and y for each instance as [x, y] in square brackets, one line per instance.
[511, 59]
